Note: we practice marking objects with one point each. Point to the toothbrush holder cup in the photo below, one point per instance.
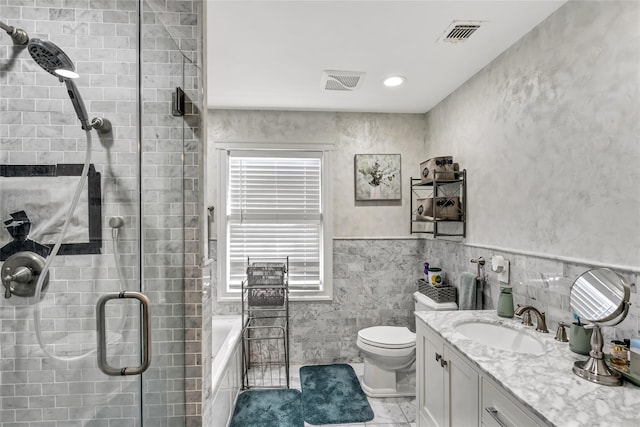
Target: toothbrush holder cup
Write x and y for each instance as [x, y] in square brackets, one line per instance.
[580, 339]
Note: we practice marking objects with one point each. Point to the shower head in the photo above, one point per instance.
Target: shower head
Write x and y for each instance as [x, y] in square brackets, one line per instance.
[54, 61]
[51, 58]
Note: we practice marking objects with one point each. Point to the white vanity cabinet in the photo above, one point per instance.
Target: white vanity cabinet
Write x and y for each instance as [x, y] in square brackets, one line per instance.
[448, 388]
[451, 392]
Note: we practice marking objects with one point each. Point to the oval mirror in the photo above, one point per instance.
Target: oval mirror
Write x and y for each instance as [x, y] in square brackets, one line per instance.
[601, 296]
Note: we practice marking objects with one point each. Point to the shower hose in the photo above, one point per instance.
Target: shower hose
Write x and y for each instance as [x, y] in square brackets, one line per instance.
[39, 284]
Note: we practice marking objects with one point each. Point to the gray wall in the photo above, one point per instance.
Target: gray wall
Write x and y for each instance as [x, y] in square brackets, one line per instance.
[549, 137]
[549, 134]
[350, 134]
[546, 133]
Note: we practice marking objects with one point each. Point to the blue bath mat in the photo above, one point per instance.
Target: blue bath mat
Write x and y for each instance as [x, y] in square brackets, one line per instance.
[268, 408]
[331, 394]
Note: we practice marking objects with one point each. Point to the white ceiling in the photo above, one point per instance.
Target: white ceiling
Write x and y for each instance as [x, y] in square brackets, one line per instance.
[271, 54]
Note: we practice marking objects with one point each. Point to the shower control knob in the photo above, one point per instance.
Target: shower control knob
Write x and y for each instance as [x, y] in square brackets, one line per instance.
[20, 274]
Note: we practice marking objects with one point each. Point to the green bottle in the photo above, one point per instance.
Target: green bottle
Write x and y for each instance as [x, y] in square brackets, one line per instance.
[505, 302]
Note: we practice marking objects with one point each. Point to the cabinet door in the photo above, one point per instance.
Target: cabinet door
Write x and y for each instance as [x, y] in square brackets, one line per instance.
[430, 378]
[463, 391]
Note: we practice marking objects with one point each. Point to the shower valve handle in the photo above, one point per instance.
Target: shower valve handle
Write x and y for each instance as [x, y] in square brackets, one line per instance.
[21, 275]
[21, 272]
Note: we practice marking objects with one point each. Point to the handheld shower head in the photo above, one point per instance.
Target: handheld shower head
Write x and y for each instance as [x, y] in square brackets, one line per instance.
[78, 103]
[50, 57]
[54, 61]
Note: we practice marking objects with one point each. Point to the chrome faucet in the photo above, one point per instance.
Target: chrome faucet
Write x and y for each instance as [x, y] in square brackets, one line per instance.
[541, 323]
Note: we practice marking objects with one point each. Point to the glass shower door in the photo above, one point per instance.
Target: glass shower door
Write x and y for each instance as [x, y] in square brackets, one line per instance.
[127, 234]
[48, 357]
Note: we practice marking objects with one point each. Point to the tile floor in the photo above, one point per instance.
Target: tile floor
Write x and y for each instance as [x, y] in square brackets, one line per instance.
[389, 412]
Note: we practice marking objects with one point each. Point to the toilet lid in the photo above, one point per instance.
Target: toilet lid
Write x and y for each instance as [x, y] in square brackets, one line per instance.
[388, 336]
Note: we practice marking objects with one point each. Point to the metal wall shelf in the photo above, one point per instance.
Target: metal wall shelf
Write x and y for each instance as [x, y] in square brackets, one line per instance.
[447, 208]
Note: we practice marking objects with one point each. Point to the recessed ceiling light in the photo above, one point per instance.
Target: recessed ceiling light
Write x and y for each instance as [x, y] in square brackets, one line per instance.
[394, 81]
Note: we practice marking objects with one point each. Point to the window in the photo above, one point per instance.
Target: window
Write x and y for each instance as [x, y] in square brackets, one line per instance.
[275, 204]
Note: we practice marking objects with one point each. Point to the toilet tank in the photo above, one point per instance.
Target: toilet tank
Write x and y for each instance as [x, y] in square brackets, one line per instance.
[424, 303]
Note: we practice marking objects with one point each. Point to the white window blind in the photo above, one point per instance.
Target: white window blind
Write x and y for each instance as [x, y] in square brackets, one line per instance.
[274, 210]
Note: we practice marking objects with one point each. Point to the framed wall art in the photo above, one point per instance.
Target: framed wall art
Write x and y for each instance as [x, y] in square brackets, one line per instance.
[377, 177]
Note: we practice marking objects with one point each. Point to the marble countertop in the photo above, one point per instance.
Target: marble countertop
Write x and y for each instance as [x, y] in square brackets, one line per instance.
[543, 383]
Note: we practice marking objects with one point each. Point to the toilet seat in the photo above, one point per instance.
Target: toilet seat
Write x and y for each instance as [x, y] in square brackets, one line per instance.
[389, 337]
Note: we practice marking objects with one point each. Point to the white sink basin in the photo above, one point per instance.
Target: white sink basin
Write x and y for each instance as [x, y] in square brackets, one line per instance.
[501, 337]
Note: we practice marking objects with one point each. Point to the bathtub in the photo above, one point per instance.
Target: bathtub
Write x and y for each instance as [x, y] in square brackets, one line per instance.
[225, 367]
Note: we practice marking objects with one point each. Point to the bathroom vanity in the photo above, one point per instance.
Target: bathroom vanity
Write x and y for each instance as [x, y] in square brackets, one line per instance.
[476, 381]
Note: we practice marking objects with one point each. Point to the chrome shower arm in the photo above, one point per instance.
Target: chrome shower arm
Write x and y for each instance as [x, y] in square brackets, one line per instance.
[17, 35]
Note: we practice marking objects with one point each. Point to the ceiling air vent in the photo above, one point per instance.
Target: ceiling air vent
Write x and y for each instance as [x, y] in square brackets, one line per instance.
[459, 31]
[341, 80]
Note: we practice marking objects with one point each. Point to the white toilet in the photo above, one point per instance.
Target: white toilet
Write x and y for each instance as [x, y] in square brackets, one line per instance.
[389, 354]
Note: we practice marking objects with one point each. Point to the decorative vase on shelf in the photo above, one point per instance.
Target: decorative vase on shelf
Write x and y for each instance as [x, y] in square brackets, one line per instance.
[374, 192]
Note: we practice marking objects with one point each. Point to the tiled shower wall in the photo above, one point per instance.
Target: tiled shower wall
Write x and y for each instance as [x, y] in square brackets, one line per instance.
[38, 126]
[171, 158]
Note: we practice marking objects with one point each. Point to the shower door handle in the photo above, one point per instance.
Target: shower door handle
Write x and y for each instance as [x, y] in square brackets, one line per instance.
[102, 335]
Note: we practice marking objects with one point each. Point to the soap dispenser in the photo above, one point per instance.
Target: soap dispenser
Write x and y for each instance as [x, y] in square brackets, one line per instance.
[505, 302]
